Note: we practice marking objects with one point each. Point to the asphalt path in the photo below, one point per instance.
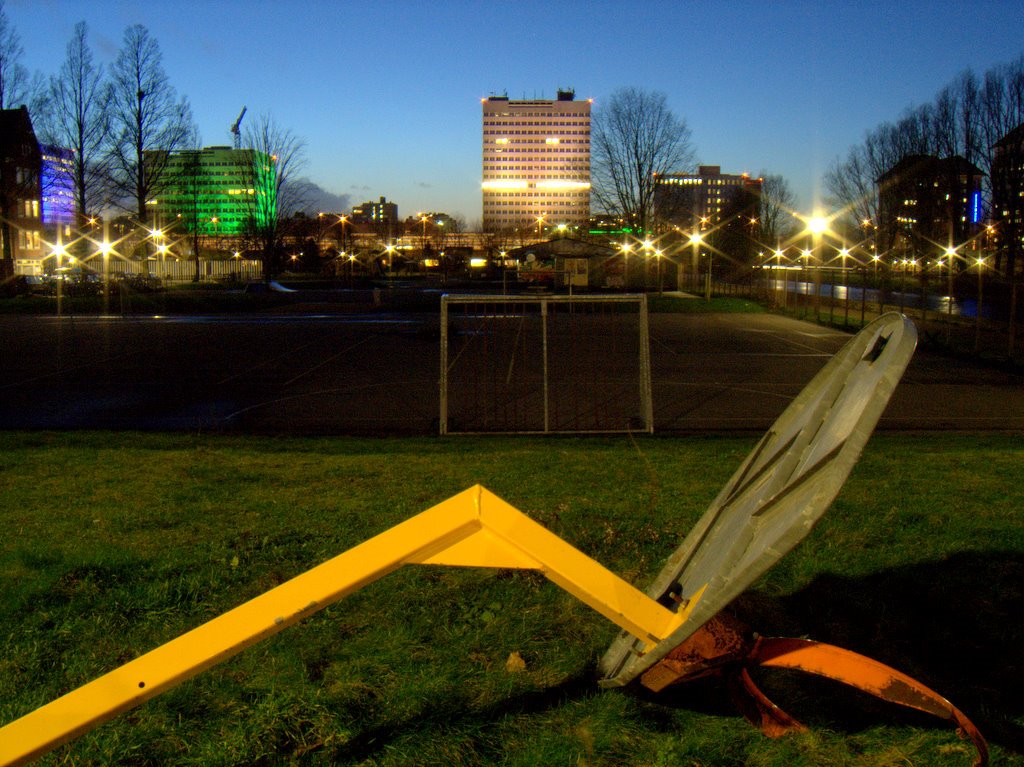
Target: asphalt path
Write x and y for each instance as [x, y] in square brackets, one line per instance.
[378, 374]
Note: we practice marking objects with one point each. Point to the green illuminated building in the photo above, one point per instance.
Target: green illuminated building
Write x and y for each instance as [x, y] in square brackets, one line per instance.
[213, 192]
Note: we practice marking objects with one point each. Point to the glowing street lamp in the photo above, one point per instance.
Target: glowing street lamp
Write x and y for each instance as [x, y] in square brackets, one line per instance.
[816, 225]
[625, 248]
[58, 253]
[977, 314]
[106, 248]
[162, 250]
[950, 255]
[657, 256]
[696, 238]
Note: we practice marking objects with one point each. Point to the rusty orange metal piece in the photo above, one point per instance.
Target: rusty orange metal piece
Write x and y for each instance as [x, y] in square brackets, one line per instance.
[867, 675]
[725, 646]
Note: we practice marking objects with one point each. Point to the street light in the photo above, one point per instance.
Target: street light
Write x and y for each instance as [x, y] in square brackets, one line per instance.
[696, 238]
[843, 253]
[977, 314]
[162, 250]
[105, 249]
[626, 249]
[950, 255]
[58, 253]
[648, 246]
[390, 250]
[657, 256]
[817, 225]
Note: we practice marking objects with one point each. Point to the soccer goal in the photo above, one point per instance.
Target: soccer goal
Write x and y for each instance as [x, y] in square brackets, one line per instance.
[545, 364]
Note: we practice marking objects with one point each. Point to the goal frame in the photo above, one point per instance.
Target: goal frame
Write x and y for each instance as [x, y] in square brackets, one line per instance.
[544, 301]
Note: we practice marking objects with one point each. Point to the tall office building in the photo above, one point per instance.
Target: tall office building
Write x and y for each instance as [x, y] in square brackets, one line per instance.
[215, 191]
[928, 203]
[1008, 198]
[536, 163]
[58, 186]
[706, 199]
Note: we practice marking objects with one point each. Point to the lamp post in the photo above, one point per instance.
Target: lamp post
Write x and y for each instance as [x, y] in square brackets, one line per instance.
[647, 246]
[977, 314]
[846, 286]
[657, 256]
[696, 238]
[162, 250]
[817, 226]
[58, 253]
[390, 250]
[950, 255]
[805, 254]
[343, 220]
[626, 248]
[105, 248]
[785, 277]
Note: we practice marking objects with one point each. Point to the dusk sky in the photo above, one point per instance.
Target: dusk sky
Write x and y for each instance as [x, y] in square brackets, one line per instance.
[387, 95]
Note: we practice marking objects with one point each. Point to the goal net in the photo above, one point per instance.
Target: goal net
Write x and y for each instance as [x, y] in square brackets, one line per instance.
[545, 364]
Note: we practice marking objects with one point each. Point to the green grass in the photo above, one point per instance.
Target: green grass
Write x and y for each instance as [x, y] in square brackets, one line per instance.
[115, 543]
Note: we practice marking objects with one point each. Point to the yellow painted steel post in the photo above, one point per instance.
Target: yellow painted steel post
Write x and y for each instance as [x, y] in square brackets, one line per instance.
[172, 663]
[473, 528]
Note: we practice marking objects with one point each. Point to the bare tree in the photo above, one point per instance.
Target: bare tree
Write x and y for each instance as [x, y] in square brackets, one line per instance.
[277, 156]
[148, 122]
[634, 139]
[15, 185]
[775, 210]
[78, 102]
[14, 77]
[187, 170]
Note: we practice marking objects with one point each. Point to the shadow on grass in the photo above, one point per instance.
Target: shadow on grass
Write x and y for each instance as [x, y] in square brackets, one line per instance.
[957, 625]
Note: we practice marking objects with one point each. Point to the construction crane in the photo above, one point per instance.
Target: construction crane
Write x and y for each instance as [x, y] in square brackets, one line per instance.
[234, 128]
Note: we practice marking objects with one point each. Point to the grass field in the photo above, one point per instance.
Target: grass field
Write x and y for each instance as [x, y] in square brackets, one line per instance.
[115, 543]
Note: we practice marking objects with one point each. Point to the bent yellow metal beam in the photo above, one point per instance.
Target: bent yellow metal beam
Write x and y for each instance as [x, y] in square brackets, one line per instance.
[473, 528]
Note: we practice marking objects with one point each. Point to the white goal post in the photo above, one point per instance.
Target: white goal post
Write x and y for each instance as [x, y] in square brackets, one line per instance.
[545, 364]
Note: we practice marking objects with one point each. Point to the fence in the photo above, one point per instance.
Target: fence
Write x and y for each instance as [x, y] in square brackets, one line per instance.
[850, 298]
[545, 364]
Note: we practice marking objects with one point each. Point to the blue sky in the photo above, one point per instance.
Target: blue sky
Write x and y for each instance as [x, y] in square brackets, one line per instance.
[387, 95]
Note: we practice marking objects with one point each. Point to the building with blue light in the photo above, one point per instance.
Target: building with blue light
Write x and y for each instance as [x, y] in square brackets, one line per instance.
[927, 204]
[58, 187]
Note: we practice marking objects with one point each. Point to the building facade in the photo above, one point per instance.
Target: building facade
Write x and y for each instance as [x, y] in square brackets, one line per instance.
[721, 207]
[1008, 199]
[20, 191]
[928, 203]
[213, 192]
[58, 187]
[377, 213]
[536, 163]
[706, 199]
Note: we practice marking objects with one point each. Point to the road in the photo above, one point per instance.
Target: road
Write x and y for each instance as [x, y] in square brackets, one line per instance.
[378, 374]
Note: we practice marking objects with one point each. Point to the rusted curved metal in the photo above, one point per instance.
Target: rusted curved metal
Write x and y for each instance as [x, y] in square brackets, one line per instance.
[868, 675]
[724, 646]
